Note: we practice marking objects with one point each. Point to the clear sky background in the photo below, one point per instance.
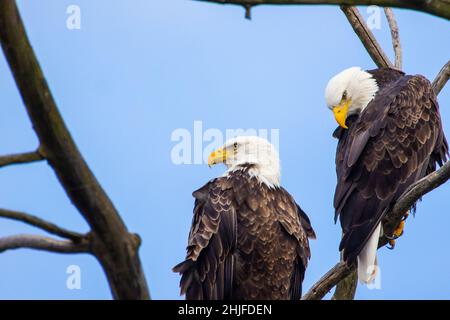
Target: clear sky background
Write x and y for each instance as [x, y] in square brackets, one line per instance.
[138, 70]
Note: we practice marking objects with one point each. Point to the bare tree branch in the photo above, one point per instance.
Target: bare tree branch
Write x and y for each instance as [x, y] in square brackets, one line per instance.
[20, 158]
[43, 243]
[346, 288]
[442, 78]
[410, 196]
[327, 282]
[395, 37]
[111, 243]
[41, 223]
[440, 8]
[366, 36]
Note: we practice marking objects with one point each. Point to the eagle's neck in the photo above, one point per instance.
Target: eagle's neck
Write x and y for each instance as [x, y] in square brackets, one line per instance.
[267, 174]
[362, 89]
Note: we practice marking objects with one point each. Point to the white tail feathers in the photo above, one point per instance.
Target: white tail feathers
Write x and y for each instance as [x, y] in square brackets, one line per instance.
[367, 259]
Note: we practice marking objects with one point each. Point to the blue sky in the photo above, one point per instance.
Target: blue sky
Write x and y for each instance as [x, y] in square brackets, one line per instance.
[138, 70]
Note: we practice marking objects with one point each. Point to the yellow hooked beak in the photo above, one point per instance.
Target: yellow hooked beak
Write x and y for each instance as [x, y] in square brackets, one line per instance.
[218, 156]
[340, 112]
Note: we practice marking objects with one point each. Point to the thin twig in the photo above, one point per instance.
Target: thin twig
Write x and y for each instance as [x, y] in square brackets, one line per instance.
[20, 158]
[442, 78]
[43, 243]
[41, 223]
[248, 12]
[366, 36]
[395, 37]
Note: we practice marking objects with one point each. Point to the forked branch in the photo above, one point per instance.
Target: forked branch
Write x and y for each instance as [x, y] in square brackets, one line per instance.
[366, 36]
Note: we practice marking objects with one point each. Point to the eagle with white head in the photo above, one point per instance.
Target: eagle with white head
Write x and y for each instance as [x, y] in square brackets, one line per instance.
[390, 135]
[249, 238]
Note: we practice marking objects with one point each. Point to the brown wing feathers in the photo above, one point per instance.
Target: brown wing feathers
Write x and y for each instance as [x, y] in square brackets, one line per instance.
[207, 270]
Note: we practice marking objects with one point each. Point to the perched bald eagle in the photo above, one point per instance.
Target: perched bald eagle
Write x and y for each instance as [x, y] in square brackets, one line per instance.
[390, 136]
[249, 238]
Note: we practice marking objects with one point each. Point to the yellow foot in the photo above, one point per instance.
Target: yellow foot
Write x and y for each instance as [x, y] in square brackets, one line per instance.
[399, 231]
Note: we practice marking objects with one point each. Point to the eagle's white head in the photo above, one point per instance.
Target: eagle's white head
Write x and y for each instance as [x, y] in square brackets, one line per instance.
[240, 152]
[349, 92]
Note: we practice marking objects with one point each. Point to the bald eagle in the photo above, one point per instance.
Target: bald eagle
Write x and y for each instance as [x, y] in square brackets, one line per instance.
[390, 136]
[249, 238]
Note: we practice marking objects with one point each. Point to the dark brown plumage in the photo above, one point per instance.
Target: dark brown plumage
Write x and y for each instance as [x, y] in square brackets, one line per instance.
[247, 241]
[396, 140]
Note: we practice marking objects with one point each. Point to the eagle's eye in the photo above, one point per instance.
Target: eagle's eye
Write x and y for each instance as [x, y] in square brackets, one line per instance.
[344, 95]
[235, 146]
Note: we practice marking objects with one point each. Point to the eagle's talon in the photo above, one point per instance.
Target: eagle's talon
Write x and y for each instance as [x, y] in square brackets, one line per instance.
[405, 216]
[392, 244]
[391, 238]
[398, 232]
